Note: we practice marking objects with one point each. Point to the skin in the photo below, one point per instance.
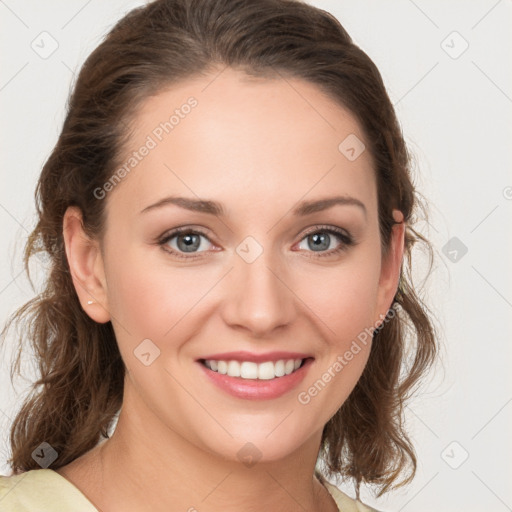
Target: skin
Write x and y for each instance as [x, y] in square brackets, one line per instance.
[258, 146]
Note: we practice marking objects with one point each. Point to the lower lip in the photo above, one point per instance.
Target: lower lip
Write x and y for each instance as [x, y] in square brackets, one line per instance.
[255, 389]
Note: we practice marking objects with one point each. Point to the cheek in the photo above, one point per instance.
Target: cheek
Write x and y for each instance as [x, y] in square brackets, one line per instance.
[148, 297]
[344, 299]
[356, 305]
[347, 317]
[344, 303]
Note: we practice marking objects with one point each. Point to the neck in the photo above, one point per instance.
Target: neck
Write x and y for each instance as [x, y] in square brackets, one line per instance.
[147, 466]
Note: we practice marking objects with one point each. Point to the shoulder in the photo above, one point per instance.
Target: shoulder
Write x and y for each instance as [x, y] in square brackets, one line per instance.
[344, 502]
[41, 489]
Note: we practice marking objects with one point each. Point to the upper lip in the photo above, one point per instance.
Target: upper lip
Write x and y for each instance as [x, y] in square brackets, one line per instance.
[255, 358]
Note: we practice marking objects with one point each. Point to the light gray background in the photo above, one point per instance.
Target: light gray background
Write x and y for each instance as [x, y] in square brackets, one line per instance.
[455, 111]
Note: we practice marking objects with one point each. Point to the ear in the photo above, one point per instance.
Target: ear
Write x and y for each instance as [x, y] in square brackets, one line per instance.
[86, 265]
[390, 269]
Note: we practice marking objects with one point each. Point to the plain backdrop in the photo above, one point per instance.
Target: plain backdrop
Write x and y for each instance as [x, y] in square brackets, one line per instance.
[446, 65]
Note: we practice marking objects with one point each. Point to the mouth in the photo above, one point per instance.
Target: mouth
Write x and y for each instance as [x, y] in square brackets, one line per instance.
[251, 370]
[256, 380]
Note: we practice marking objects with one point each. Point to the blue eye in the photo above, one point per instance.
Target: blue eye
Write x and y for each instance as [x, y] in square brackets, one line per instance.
[319, 240]
[188, 243]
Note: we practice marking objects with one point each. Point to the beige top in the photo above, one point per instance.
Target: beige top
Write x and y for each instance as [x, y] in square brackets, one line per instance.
[44, 490]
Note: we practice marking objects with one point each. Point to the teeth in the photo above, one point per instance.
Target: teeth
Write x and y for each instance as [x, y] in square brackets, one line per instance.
[279, 368]
[288, 366]
[234, 369]
[249, 370]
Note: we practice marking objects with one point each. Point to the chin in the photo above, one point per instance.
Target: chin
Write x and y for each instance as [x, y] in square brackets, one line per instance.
[257, 446]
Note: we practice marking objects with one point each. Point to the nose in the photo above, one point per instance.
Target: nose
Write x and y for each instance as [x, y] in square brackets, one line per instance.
[257, 297]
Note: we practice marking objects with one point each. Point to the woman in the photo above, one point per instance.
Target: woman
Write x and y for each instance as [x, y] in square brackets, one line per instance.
[227, 213]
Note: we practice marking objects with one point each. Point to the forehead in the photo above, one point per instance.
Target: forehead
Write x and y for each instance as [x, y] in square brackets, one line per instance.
[234, 137]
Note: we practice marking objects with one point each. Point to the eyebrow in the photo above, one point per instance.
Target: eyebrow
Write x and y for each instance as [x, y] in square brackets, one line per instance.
[214, 208]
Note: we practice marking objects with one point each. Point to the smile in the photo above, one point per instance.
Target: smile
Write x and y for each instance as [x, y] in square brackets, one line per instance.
[255, 377]
[251, 370]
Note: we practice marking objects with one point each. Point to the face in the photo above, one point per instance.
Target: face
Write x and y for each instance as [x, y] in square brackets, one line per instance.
[243, 239]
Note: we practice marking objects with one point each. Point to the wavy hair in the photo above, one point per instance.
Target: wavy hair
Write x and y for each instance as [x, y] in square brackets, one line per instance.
[79, 391]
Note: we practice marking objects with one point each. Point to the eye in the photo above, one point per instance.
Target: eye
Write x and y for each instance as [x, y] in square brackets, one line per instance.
[190, 243]
[322, 240]
[184, 242]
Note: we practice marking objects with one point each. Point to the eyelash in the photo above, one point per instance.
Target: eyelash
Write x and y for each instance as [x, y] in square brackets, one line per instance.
[344, 237]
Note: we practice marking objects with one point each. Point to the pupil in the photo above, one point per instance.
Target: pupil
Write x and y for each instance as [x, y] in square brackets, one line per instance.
[320, 241]
[190, 242]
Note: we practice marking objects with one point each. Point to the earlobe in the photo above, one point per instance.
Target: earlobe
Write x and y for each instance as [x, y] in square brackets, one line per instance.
[86, 265]
[391, 266]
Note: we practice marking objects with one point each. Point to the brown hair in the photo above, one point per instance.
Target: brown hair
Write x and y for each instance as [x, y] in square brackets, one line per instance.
[80, 388]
